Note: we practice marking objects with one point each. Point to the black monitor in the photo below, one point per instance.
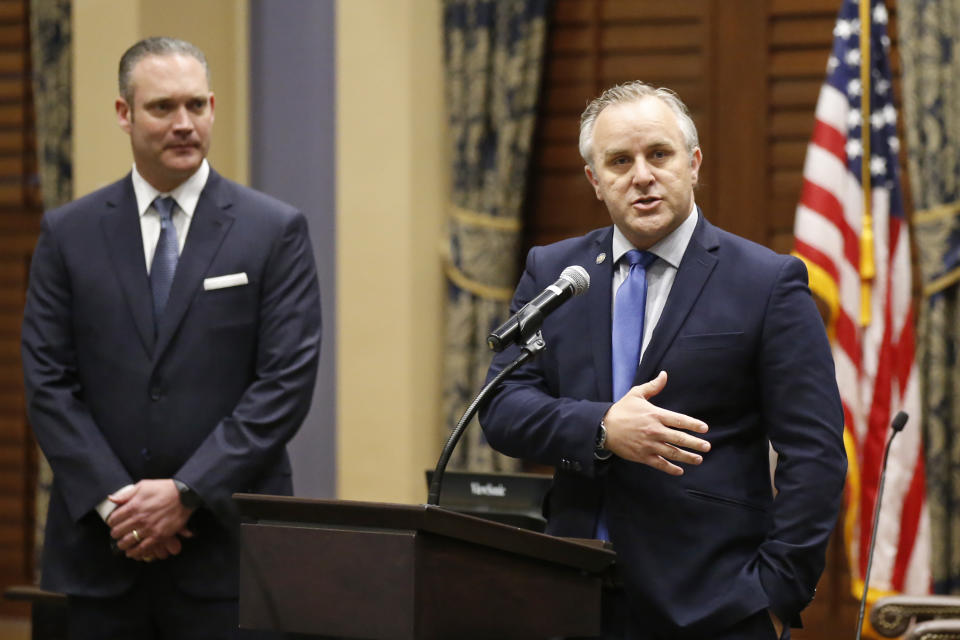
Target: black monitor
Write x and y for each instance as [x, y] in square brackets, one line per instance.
[511, 498]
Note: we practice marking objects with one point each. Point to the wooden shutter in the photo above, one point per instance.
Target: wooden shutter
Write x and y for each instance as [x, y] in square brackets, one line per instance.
[20, 212]
[594, 45]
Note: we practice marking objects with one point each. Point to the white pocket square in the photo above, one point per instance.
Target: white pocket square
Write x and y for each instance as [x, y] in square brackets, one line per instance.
[222, 282]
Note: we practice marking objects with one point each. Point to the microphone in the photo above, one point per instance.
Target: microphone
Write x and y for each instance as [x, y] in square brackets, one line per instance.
[899, 422]
[523, 325]
[573, 281]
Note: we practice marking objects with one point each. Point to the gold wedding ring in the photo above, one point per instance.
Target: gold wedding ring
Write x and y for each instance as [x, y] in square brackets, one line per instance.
[148, 558]
[136, 536]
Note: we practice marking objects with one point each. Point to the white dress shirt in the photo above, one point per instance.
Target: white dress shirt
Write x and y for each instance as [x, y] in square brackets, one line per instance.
[186, 196]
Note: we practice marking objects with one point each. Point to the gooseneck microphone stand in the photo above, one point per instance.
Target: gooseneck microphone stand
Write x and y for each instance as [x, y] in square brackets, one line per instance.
[899, 421]
[532, 346]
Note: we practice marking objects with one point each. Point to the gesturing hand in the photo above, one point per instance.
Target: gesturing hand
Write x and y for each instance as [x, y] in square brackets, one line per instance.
[639, 431]
[148, 520]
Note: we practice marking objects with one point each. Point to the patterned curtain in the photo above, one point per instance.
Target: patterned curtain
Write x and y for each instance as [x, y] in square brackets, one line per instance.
[494, 58]
[52, 100]
[930, 51]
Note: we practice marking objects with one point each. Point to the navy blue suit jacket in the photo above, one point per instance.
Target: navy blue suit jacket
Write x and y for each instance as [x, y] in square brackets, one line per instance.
[745, 351]
[212, 399]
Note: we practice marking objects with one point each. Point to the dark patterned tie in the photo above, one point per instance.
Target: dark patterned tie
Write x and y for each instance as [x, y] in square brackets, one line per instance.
[164, 258]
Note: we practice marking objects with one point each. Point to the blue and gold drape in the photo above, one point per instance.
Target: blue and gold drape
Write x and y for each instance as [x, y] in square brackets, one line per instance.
[50, 54]
[930, 51]
[493, 58]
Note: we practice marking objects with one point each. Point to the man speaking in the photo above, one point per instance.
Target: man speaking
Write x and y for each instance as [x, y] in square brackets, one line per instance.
[170, 343]
[663, 386]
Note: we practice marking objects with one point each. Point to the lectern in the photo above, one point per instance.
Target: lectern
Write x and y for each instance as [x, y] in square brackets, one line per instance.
[342, 569]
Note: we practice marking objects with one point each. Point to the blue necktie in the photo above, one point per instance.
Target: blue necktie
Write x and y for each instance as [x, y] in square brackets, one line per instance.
[628, 312]
[164, 257]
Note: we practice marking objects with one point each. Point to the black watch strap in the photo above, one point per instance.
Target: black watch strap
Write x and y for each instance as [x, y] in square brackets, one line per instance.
[188, 497]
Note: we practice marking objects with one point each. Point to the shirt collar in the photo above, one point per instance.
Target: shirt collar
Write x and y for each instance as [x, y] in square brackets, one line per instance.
[669, 249]
[187, 194]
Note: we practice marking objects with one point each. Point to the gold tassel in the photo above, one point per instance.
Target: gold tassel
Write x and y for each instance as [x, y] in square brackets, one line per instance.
[868, 270]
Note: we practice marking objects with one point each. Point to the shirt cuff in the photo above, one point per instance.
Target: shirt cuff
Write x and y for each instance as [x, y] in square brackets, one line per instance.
[106, 507]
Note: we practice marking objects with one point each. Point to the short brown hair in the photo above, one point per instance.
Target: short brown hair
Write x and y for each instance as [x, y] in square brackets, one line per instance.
[156, 46]
[628, 92]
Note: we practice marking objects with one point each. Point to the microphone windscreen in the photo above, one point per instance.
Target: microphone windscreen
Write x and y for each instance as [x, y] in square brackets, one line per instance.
[578, 277]
[900, 421]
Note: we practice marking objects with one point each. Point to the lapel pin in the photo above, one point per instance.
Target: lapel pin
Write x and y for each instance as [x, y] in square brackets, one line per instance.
[601, 258]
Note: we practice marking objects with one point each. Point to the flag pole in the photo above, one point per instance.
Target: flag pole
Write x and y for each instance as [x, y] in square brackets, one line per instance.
[867, 264]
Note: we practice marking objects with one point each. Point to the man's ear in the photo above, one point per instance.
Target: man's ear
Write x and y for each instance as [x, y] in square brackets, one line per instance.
[696, 159]
[212, 101]
[592, 179]
[124, 114]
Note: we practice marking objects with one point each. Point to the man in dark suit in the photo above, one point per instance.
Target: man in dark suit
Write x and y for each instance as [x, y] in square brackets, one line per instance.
[170, 344]
[659, 417]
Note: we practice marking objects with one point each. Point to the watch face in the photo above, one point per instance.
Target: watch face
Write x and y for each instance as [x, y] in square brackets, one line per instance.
[601, 437]
[188, 497]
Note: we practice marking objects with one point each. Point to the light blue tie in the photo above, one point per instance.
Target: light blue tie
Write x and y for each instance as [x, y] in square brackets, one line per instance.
[628, 312]
[164, 258]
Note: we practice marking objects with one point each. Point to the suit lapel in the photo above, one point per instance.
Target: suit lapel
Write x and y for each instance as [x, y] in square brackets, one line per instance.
[598, 315]
[121, 228]
[207, 230]
[695, 268]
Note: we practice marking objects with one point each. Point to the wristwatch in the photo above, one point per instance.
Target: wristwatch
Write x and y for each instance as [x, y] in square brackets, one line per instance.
[188, 497]
[600, 451]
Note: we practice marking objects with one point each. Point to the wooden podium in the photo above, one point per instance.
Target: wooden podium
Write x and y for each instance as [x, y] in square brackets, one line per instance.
[342, 569]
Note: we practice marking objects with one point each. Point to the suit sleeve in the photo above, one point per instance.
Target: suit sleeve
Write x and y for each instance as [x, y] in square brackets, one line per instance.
[274, 405]
[86, 467]
[801, 406]
[527, 418]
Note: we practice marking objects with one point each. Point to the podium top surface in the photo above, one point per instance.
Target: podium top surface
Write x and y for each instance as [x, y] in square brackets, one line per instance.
[587, 555]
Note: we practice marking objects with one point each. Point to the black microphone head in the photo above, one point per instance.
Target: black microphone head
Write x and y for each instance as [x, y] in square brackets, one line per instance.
[899, 421]
[578, 277]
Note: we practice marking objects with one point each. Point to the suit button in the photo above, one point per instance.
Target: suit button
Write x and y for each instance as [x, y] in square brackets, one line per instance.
[145, 453]
[155, 393]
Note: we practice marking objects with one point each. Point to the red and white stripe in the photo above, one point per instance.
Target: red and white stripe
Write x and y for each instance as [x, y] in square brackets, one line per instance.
[876, 371]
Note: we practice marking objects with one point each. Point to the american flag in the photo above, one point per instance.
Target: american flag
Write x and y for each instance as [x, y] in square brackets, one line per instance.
[857, 251]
